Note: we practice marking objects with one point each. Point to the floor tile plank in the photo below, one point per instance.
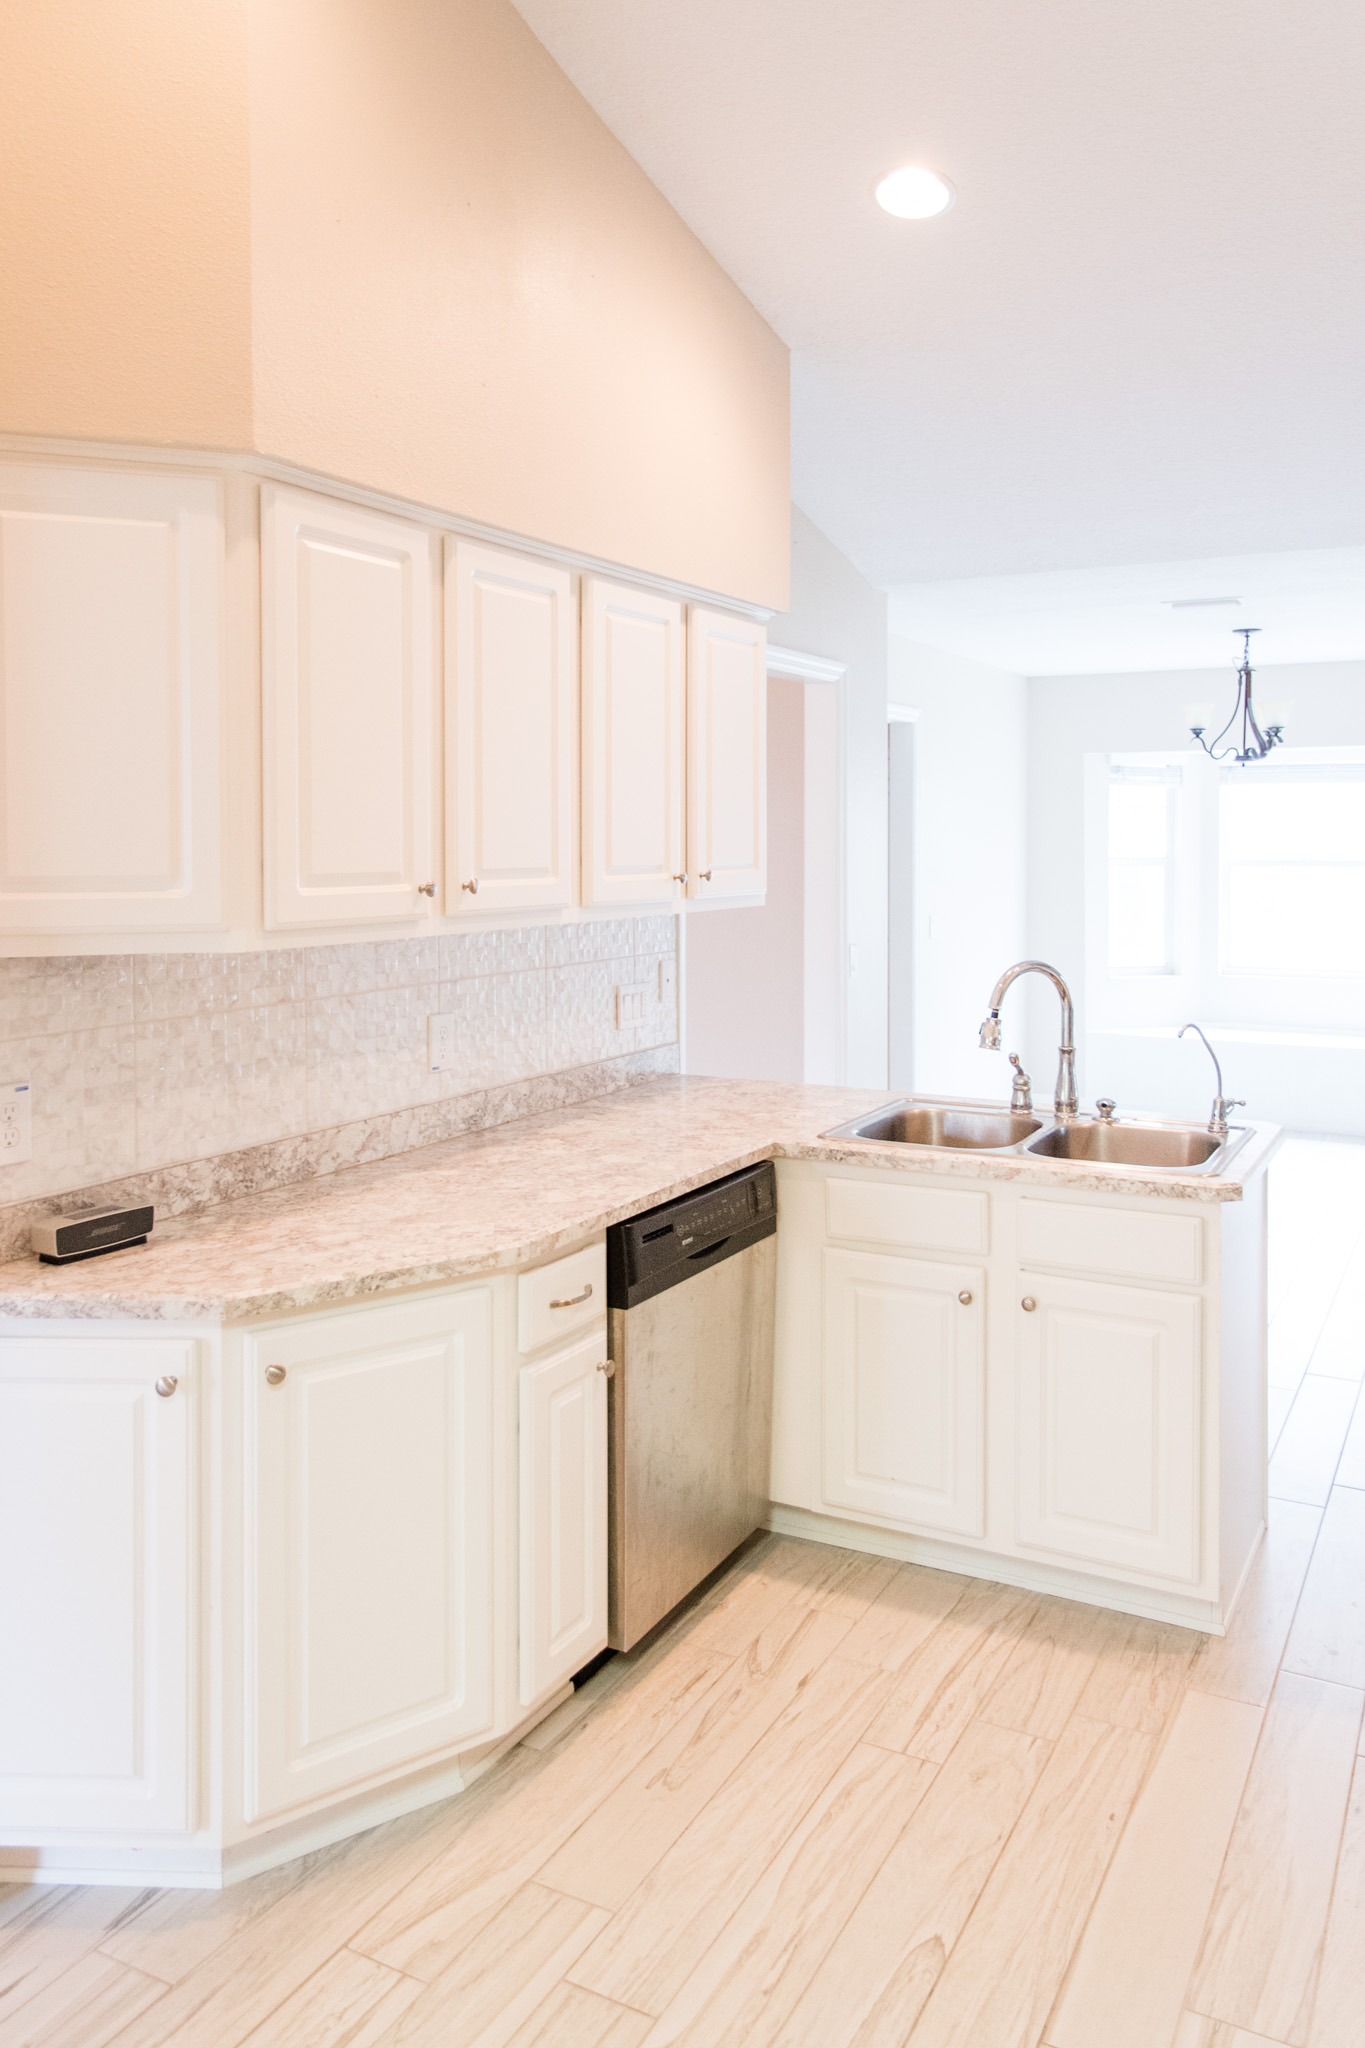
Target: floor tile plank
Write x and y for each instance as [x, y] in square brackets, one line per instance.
[642, 1958]
[1258, 1966]
[1050, 1667]
[1127, 1983]
[1311, 1441]
[84, 2007]
[1140, 1673]
[619, 1843]
[498, 1979]
[1328, 1636]
[871, 1985]
[1351, 1469]
[757, 1968]
[49, 1928]
[350, 2002]
[1003, 1976]
[574, 2018]
[1339, 2008]
[509, 1826]
[1242, 1664]
[1197, 2032]
[941, 1687]
[901, 1616]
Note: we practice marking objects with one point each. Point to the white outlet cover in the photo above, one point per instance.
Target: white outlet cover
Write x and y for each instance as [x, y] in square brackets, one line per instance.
[16, 1123]
[440, 1042]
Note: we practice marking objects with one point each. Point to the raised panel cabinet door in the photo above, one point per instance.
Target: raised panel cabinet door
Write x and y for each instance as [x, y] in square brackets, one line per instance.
[563, 1515]
[511, 739]
[97, 1652]
[347, 652]
[110, 754]
[634, 733]
[727, 756]
[1109, 1430]
[904, 1390]
[369, 1519]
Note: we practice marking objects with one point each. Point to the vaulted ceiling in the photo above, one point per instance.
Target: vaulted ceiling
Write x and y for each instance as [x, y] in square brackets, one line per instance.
[1139, 335]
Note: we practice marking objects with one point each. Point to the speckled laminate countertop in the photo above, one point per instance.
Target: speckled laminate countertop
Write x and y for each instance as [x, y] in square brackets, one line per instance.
[516, 1195]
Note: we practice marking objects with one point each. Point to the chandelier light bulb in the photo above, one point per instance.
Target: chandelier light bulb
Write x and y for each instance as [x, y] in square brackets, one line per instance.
[912, 193]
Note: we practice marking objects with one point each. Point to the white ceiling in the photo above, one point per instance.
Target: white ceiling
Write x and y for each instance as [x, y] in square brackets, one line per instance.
[1309, 605]
[1138, 336]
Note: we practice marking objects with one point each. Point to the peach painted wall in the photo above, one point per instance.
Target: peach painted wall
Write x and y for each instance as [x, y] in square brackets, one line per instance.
[125, 256]
[389, 241]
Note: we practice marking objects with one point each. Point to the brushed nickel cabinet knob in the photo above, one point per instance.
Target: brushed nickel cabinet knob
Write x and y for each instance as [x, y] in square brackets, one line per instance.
[1028, 1303]
[167, 1385]
[680, 878]
[273, 1375]
[966, 1297]
[705, 875]
[426, 888]
[608, 1368]
[473, 886]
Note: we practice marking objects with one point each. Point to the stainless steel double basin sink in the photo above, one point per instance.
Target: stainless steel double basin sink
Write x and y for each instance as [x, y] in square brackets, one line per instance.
[965, 1127]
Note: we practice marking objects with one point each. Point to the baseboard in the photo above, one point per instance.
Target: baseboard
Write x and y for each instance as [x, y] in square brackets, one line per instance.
[1032, 1577]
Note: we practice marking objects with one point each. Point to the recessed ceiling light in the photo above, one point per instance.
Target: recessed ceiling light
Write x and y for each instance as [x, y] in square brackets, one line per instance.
[914, 194]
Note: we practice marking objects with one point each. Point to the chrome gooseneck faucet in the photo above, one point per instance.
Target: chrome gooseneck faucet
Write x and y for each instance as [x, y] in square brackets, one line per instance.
[1065, 1100]
[1218, 1115]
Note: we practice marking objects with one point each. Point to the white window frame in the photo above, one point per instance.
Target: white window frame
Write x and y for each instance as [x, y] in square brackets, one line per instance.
[1199, 987]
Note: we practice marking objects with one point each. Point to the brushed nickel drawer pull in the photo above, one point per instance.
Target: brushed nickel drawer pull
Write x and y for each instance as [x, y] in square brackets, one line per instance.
[1028, 1304]
[572, 1300]
[167, 1385]
[274, 1374]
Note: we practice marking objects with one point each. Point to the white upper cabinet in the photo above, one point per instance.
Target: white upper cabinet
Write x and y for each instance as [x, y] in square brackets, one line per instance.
[110, 755]
[511, 704]
[727, 724]
[633, 745]
[347, 648]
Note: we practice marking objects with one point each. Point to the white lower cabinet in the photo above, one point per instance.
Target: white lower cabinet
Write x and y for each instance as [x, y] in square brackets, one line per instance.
[1108, 1425]
[904, 1392]
[563, 1514]
[369, 1541]
[96, 1646]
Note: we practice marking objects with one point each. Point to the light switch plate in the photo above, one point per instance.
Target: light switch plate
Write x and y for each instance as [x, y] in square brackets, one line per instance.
[440, 1042]
[16, 1123]
[631, 1002]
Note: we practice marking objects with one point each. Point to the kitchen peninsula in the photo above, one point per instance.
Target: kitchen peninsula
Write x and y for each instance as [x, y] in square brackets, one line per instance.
[300, 1581]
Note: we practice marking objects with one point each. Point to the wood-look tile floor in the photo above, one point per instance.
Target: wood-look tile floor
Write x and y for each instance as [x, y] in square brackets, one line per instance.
[847, 1802]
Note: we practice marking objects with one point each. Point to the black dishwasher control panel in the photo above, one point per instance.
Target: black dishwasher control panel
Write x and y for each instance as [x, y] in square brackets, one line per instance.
[667, 1245]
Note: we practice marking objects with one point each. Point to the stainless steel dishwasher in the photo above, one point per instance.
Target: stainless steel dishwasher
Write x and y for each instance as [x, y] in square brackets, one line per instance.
[691, 1302]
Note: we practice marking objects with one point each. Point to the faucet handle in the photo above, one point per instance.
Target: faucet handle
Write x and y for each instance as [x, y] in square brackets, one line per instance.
[1021, 1094]
[1106, 1106]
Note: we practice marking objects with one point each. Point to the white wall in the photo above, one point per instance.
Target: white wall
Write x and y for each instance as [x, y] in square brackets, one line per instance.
[731, 1005]
[969, 854]
[1071, 716]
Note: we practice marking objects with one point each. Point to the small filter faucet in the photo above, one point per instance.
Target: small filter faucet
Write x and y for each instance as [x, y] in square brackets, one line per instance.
[1218, 1115]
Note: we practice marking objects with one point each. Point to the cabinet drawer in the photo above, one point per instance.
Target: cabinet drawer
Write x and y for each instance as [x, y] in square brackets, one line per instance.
[554, 1301]
[1131, 1244]
[923, 1219]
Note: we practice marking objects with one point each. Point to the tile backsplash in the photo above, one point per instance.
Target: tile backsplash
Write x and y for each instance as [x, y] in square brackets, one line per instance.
[144, 1062]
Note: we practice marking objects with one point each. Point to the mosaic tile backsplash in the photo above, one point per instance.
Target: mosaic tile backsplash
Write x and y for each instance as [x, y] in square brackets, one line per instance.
[145, 1062]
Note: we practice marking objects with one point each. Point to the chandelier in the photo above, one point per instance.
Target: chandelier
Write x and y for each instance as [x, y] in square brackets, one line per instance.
[1255, 744]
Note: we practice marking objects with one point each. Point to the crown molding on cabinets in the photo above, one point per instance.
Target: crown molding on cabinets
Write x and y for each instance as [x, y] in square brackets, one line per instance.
[804, 668]
[266, 469]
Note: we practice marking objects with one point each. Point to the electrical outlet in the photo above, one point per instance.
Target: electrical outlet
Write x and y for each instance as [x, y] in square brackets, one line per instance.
[440, 1042]
[631, 1002]
[16, 1123]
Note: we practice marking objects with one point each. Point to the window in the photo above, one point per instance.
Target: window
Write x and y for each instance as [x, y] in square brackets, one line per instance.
[1291, 847]
[1141, 923]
